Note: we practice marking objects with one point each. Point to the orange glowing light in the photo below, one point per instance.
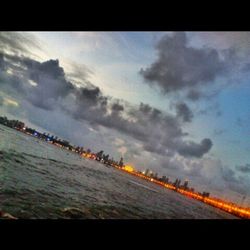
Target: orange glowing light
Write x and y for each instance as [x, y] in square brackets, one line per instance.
[128, 168]
[223, 205]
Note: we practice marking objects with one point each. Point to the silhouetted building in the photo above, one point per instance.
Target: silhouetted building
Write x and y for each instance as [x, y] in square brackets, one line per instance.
[164, 179]
[205, 194]
[106, 158]
[121, 162]
[12, 123]
[151, 174]
[185, 185]
[99, 155]
[147, 172]
[177, 183]
[19, 125]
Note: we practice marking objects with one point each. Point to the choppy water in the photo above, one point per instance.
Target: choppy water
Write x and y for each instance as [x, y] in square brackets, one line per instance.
[39, 180]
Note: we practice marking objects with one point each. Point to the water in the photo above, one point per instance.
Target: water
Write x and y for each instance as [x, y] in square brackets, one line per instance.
[39, 180]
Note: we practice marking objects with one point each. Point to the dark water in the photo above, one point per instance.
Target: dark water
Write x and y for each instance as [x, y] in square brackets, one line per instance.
[39, 180]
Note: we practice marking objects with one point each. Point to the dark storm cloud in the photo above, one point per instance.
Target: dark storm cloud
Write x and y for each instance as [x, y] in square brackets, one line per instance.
[50, 67]
[90, 94]
[194, 95]
[195, 149]
[244, 168]
[145, 108]
[234, 182]
[51, 83]
[89, 97]
[184, 112]
[162, 133]
[117, 107]
[48, 77]
[89, 105]
[159, 132]
[179, 66]
[153, 113]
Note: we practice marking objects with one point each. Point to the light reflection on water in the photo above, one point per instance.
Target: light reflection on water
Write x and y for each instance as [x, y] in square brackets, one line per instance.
[39, 180]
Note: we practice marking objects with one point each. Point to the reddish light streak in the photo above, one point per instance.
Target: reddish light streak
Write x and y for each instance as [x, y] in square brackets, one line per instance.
[223, 205]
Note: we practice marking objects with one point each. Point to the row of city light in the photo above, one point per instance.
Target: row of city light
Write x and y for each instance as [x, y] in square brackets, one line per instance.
[228, 207]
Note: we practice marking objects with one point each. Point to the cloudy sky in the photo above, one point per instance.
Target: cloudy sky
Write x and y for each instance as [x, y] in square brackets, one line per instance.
[174, 102]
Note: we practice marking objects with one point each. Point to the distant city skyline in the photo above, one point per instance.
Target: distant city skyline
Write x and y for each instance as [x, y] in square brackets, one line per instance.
[174, 102]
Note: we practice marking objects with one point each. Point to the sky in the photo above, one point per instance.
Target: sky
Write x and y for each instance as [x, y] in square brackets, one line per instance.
[174, 102]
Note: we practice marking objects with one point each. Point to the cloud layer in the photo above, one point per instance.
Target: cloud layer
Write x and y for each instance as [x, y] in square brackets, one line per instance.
[181, 67]
[44, 85]
[245, 169]
[69, 104]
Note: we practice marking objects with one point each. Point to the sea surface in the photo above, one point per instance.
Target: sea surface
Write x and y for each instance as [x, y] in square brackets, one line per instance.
[41, 181]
